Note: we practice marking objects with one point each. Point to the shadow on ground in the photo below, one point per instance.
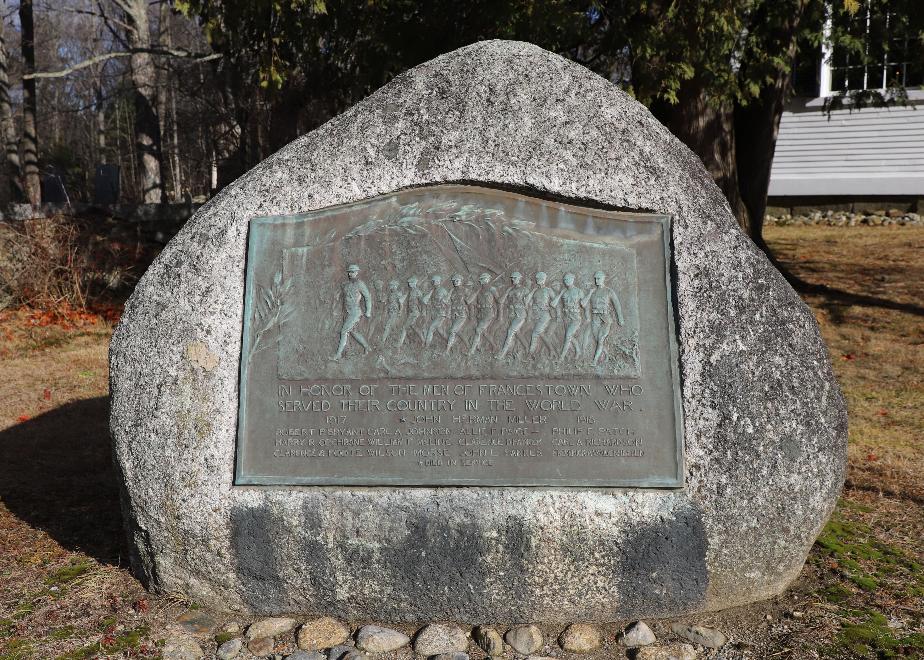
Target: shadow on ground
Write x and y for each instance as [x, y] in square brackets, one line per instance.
[56, 474]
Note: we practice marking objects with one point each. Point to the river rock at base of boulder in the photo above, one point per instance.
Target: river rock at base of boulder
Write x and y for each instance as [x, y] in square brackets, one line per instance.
[489, 640]
[272, 627]
[671, 652]
[338, 652]
[580, 638]
[230, 649]
[708, 637]
[181, 647]
[356, 654]
[196, 622]
[437, 638]
[322, 633]
[261, 646]
[376, 639]
[524, 639]
[454, 655]
[306, 655]
[637, 634]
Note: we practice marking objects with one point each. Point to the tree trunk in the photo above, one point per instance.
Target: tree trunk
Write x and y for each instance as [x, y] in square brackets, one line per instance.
[144, 79]
[757, 126]
[32, 183]
[100, 122]
[175, 148]
[708, 129]
[11, 169]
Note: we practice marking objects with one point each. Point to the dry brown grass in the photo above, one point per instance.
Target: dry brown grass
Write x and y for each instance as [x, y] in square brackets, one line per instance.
[65, 590]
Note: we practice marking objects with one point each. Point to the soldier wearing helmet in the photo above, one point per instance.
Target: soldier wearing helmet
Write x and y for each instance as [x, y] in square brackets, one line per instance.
[357, 302]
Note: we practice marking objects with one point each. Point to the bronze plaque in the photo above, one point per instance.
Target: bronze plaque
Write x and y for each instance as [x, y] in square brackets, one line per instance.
[456, 335]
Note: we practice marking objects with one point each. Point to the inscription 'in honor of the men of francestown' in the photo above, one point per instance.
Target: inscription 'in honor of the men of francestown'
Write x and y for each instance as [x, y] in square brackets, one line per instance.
[456, 335]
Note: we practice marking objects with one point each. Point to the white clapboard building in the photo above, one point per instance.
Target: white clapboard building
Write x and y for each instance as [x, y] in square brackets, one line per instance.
[850, 152]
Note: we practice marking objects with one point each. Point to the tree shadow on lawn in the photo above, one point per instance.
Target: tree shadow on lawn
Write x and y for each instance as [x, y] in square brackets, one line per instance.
[56, 474]
[835, 297]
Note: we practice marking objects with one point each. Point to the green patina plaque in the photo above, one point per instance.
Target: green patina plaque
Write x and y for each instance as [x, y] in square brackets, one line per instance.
[457, 335]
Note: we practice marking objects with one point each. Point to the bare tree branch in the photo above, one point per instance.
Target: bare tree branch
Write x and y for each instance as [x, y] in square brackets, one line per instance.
[171, 52]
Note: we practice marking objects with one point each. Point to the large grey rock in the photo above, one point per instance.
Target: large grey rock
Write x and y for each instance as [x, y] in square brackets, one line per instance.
[182, 647]
[637, 634]
[580, 638]
[524, 639]
[230, 649]
[670, 652]
[489, 640]
[272, 627]
[377, 639]
[438, 638]
[322, 633]
[708, 637]
[765, 423]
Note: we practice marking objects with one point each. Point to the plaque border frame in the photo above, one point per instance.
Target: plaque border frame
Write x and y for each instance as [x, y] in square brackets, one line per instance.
[677, 482]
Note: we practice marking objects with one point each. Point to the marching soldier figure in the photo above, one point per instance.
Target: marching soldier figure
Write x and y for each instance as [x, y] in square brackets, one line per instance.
[540, 300]
[438, 296]
[357, 301]
[515, 297]
[458, 309]
[600, 298]
[485, 300]
[414, 299]
[395, 301]
[571, 299]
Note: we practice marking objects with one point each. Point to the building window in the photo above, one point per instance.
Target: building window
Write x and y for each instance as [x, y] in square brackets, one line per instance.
[883, 52]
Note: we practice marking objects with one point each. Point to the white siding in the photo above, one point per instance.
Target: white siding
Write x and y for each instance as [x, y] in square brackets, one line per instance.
[873, 151]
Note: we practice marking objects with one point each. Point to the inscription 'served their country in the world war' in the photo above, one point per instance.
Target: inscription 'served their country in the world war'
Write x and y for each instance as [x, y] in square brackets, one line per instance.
[457, 335]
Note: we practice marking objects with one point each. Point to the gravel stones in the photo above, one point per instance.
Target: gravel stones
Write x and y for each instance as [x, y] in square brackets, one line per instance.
[489, 640]
[273, 627]
[322, 633]
[524, 639]
[438, 638]
[671, 652]
[637, 634]
[181, 647]
[454, 655]
[708, 637]
[764, 420]
[376, 639]
[876, 218]
[230, 649]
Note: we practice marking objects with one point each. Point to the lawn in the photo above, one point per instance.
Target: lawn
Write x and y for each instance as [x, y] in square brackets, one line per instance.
[65, 590]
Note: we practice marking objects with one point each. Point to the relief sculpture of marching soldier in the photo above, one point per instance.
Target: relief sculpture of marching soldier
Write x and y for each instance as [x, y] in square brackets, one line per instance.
[540, 302]
[515, 297]
[438, 300]
[571, 298]
[395, 303]
[458, 309]
[485, 300]
[357, 301]
[414, 300]
[601, 298]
